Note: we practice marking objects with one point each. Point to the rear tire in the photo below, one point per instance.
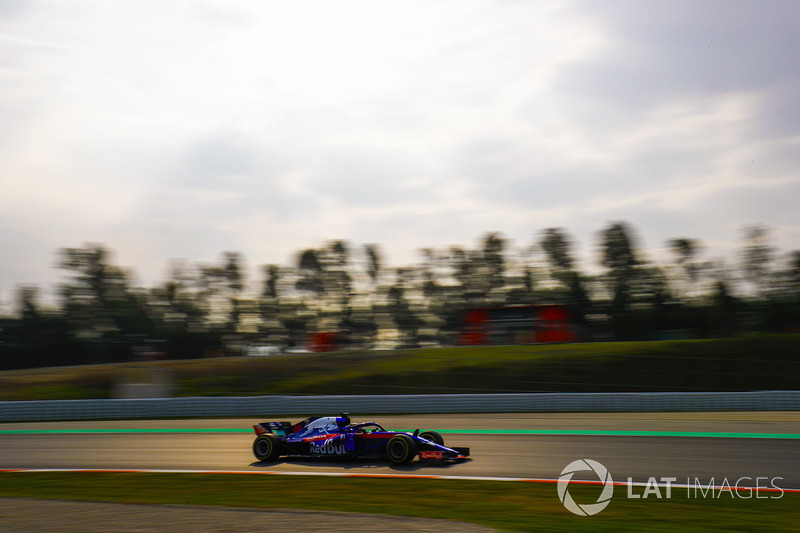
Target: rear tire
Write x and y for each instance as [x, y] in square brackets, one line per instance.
[401, 449]
[267, 447]
[433, 436]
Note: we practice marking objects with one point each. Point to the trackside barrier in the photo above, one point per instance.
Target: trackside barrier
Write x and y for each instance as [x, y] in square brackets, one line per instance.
[260, 406]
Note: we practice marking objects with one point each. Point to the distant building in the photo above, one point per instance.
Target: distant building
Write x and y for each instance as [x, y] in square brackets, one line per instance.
[324, 341]
[530, 324]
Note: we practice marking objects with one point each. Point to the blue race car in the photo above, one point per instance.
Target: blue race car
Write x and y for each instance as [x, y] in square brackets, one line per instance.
[337, 437]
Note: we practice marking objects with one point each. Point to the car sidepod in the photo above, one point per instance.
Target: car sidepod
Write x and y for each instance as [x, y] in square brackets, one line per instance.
[331, 445]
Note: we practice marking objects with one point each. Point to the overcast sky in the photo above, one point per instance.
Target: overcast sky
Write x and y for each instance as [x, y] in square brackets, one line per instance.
[170, 129]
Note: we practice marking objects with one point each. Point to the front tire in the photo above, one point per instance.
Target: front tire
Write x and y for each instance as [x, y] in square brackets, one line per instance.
[401, 449]
[433, 436]
[267, 447]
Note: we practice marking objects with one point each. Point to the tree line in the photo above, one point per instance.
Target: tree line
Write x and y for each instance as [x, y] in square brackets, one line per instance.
[207, 309]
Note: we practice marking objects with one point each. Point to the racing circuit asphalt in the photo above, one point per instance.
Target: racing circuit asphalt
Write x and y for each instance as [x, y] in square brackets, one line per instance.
[671, 453]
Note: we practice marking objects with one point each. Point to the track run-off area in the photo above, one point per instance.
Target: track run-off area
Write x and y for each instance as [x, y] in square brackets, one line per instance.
[761, 448]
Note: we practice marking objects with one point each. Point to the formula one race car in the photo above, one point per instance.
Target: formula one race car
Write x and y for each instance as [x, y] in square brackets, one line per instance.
[332, 436]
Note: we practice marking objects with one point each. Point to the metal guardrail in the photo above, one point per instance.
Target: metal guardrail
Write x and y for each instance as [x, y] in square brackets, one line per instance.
[266, 406]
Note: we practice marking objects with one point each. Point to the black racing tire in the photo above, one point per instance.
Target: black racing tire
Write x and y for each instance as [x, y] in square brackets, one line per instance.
[433, 436]
[401, 449]
[267, 447]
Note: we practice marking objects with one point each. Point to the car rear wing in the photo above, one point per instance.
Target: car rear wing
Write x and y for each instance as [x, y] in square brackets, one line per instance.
[278, 428]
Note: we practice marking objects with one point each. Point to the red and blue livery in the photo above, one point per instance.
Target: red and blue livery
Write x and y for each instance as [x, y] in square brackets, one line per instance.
[337, 437]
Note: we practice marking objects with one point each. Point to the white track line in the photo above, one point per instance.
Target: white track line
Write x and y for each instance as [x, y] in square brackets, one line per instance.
[389, 476]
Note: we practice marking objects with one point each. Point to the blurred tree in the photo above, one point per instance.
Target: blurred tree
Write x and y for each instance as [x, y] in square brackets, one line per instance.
[558, 249]
[218, 288]
[433, 310]
[181, 309]
[757, 257]
[232, 272]
[685, 251]
[619, 257]
[339, 277]
[27, 296]
[373, 262]
[793, 273]
[657, 292]
[269, 307]
[308, 261]
[186, 310]
[557, 245]
[779, 305]
[793, 293]
[726, 308]
[271, 277]
[311, 273]
[103, 317]
[325, 273]
[340, 253]
[210, 281]
[494, 260]
[100, 304]
[362, 321]
[462, 265]
[340, 281]
[524, 293]
[40, 337]
[407, 322]
[480, 273]
[433, 290]
[296, 319]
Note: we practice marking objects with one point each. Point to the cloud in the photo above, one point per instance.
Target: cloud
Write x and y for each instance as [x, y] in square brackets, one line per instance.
[183, 130]
[656, 54]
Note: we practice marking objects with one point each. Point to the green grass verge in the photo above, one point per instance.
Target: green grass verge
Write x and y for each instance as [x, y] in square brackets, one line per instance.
[514, 506]
[749, 363]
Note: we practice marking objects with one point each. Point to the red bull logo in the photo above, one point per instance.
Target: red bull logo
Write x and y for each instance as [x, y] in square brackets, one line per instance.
[334, 446]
